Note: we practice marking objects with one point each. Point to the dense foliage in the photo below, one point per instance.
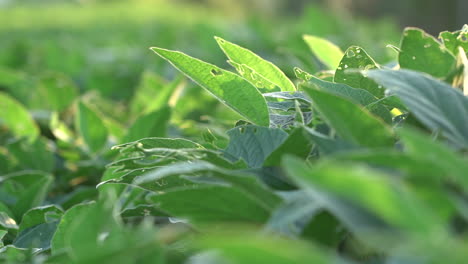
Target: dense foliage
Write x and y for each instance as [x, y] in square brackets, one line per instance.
[359, 162]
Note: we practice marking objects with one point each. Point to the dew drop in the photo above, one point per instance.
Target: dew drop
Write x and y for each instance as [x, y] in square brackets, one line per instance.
[427, 46]
[346, 66]
[414, 58]
[380, 87]
[358, 51]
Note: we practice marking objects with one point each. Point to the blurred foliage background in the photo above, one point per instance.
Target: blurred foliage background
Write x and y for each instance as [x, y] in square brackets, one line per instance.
[102, 46]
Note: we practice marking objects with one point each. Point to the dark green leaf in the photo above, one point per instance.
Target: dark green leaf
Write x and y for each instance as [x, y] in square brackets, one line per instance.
[436, 104]
[254, 144]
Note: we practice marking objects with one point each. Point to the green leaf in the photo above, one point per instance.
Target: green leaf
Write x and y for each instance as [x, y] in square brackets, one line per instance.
[377, 192]
[91, 128]
[291, 217]
[24, 190]
[38, 236]
[254, 144]
[356, 58]
[40, 215]
[422, 52]
[227, 87]
[438, 155]
[327, 52]
[351, 122]
[356, 95]
[149, 125]
[327, 145]
[16, 118]
[453, 40]
[211, 204]
[163, 178]
[435, 103]
[298, 144]
[264, 68]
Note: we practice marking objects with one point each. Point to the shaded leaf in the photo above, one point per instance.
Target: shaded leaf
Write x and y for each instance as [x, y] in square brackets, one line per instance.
[435, 103]
[254, 144]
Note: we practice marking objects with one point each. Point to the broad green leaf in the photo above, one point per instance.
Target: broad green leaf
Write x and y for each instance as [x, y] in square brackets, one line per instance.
[38, 236]
[253, 77]
[351, 122]
[377, 192]
[24, 190]
[422, 52]
[90, 127]
[298, 144]
[291, 217]
[327, 52]
[245, 247]
[349, 72]
[227, 87]
[327, 145]
[40, 215]
[435, 103]
[356, 95]
[153, 124]
[211, 204]
[205, 173]
[16, 118]
[254, 144]
[265, 69]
